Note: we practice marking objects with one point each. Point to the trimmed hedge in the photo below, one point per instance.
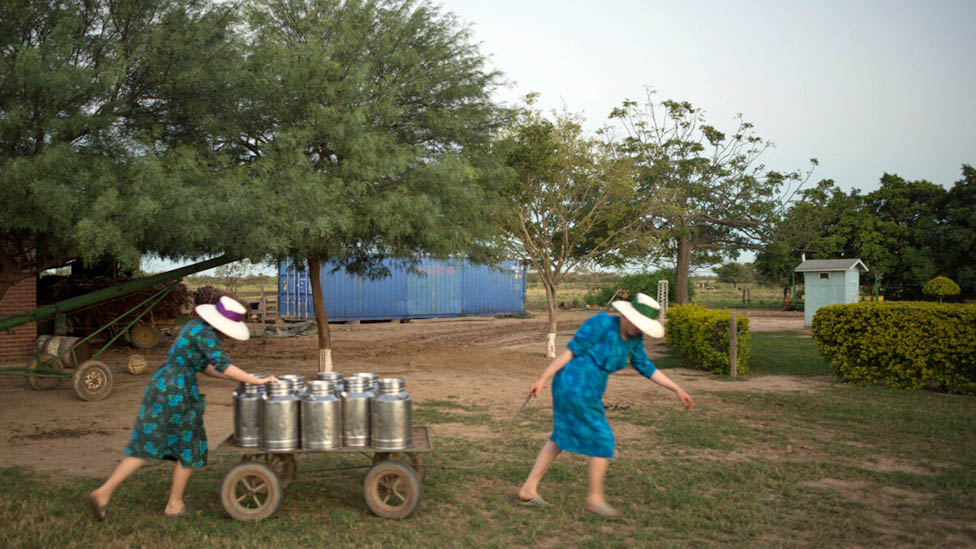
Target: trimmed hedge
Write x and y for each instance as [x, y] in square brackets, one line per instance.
[701, 336]
[908, 345]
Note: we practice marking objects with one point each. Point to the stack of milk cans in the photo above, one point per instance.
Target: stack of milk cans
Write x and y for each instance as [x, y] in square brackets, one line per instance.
[332, 411]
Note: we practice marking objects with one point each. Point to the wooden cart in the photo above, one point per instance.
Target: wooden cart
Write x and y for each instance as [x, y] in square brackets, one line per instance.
[393, 487]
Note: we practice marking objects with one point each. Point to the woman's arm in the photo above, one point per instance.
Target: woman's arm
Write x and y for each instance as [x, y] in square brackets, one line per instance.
[554, 366]
[665, 381]
[236, 374]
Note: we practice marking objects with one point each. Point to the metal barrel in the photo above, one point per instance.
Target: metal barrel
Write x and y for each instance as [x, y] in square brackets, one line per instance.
[247, 415]
[390, 416]
[296, 383]
[355, 412]
[280, 417]
[54, 345]
[373, 380]
[321, 417]
[335, 378]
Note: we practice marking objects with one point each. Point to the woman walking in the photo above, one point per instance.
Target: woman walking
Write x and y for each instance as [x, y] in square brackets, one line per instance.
[170, 421]
[602, 345]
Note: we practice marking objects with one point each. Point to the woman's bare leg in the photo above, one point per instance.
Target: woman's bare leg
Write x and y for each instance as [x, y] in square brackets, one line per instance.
[122, 471]
[181, 475]
[597, 471]
[547, 455]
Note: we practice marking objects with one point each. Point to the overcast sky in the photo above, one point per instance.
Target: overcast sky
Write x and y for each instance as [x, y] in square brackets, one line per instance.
[866, 87]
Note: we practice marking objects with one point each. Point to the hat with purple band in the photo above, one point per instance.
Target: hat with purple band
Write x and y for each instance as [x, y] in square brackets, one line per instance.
[642, 312]
[227, 316]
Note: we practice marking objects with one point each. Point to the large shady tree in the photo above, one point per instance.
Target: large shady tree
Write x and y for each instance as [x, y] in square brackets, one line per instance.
[720, 199]
[366, 124]
[107, 109]
[570, 200]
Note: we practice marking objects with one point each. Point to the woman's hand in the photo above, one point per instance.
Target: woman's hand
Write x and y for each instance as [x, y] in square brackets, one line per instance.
[269, 379]
[537, 387]
[685, 399]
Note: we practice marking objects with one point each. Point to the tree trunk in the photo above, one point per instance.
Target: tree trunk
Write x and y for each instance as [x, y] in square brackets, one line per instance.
[551, 309]
[325, 337]
[681, 271]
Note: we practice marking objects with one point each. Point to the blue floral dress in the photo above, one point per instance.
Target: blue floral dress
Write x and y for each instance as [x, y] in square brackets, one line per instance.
[170, 421]
[577, 390]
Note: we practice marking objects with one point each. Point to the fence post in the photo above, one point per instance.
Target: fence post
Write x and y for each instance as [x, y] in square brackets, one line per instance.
[733, 344]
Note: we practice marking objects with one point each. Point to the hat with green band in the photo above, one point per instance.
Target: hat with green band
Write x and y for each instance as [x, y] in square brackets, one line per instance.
[642, 312]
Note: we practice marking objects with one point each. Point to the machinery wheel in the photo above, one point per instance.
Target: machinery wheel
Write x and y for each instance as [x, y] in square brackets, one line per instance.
[144, 334]
[415, 459]
[44, 383]
[136, 364]
[282, 464]
[392, 489]
[92, 380]
[250, 491]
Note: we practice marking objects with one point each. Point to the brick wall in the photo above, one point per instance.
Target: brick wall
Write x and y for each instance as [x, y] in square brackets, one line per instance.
[17, 344]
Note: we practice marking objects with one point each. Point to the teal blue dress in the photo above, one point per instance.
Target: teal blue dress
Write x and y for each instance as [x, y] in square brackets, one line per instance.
[170, 420]
[580, 421]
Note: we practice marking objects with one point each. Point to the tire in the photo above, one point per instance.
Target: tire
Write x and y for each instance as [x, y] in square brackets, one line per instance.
[392, 490]
[136, 364]
[144, 335]
[415, 459]
[92, 380]
[250, 491]
[282, 464]
[44, 383]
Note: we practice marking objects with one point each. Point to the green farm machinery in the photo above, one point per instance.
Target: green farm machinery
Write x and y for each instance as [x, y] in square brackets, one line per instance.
[92, 379]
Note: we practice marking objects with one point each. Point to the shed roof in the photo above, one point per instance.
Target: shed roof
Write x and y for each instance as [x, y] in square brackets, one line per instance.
[830, 265]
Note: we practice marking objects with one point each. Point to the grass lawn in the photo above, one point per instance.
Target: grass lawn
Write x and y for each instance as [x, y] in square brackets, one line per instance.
[838, 467]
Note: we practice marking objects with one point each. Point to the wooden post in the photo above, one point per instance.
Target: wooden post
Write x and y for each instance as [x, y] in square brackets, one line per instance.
[733, 344]
[262, 306]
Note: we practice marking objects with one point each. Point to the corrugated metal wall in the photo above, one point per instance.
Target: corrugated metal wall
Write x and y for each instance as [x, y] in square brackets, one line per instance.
[436, 289]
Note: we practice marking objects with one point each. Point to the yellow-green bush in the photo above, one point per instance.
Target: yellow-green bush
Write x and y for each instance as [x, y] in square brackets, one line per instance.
[909, 345]
[701, 336]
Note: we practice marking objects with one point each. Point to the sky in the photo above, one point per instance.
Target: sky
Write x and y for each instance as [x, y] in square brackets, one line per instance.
[867, 87]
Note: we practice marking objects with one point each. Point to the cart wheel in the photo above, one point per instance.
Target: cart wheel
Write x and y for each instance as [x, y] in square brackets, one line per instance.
[92, 380]
[415, 459]
[392, 489]
[282, 464]
[250, 491]
[44, 383]
[144, 335]
[136, 364]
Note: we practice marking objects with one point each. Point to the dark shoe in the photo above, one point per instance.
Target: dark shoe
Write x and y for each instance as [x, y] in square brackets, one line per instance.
[187, 511]
[605, 511]
[99, 512]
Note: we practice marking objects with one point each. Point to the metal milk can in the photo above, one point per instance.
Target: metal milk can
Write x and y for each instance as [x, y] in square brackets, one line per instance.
[335, 378]
[247, 415]
[355, 411]
[321, 417]
[279, 418]
[373, 380]
[296, 383]
[390, 416]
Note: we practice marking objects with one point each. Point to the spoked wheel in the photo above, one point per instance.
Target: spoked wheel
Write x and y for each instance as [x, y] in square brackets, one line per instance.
[414, 459]
[136, 364]
[44, 383]
[392, 490]
[92, 380]
[144, 334]
[282, 464]
[250, 491]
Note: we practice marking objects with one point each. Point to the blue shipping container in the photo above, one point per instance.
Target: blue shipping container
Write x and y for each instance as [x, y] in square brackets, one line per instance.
[435, 289]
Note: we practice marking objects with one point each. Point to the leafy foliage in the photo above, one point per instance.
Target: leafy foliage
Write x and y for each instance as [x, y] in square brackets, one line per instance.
[718, 198]
[906, 345]
[703, 337]
[941, 287]
[637, 282]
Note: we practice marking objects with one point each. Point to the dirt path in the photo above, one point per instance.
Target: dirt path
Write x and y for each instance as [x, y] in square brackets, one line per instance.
[484, 361]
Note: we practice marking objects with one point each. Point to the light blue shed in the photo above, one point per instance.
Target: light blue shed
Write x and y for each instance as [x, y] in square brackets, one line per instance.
[829, 282]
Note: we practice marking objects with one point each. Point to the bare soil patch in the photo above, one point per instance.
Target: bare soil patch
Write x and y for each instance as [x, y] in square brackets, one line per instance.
[487, 362]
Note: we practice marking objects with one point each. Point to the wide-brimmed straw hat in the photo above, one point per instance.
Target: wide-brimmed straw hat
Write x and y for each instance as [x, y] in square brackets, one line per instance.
[642, 312]
[227, 316]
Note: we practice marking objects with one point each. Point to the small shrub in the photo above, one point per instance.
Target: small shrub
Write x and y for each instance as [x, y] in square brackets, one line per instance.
[940, 287]
[701, 336]
[908, 345]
